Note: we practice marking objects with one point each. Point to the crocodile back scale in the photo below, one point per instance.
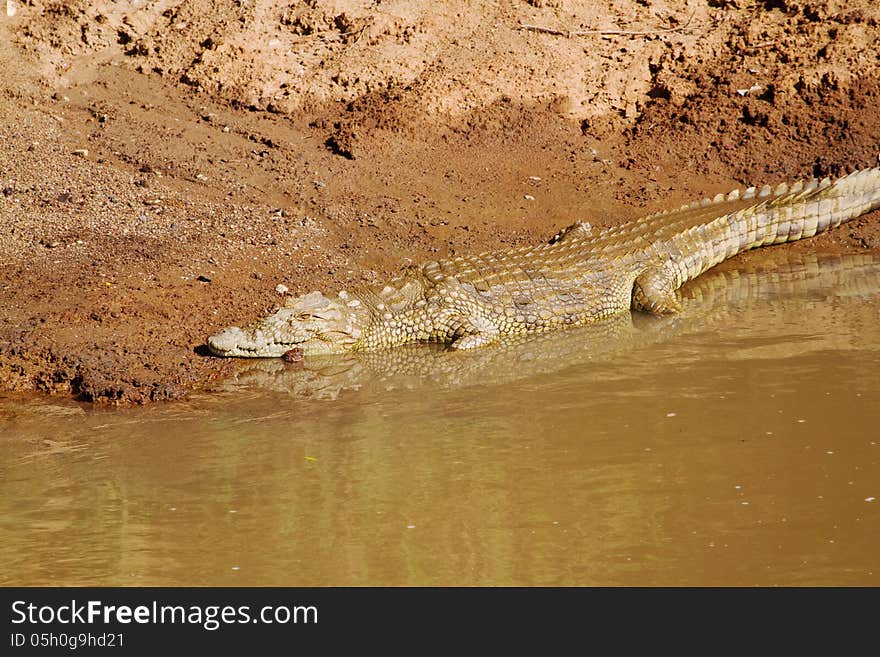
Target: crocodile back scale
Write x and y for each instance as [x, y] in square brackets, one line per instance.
[581, 276]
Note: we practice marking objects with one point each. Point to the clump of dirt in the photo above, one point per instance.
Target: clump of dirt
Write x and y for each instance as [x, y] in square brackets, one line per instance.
[165, 165]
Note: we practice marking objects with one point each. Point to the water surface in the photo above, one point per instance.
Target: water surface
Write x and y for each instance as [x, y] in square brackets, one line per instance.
[735, 444]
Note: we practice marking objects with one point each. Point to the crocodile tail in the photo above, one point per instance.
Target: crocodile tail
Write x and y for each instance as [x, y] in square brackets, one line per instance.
[710, 231]
[818, 206]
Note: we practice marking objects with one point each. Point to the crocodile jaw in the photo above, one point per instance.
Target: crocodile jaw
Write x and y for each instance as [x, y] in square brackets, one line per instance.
[235, 342]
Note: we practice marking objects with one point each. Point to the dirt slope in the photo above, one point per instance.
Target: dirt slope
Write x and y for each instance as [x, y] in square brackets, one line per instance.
[164, 165]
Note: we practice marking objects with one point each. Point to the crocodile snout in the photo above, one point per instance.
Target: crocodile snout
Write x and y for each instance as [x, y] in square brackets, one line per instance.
[226, 341]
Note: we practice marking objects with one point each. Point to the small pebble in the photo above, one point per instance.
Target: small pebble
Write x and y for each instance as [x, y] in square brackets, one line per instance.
[294, 355]
[529, 197]
[281, 288]
[81, 152]
[870, 499]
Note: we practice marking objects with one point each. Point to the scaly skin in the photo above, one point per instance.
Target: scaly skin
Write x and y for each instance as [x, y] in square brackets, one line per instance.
[578, 278]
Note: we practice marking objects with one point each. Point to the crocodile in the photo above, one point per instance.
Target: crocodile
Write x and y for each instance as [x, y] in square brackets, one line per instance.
[579, 277]
[774, 291]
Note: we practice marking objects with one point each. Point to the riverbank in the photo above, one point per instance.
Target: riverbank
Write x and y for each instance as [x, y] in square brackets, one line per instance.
[163, 167]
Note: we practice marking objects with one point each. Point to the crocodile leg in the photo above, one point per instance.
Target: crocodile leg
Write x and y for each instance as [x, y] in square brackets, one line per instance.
[470, 333]
[654, 291]
[473, 341]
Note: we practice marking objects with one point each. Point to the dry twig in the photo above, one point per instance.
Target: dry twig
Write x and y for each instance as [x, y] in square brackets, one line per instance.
[576, 33]
[764, 44]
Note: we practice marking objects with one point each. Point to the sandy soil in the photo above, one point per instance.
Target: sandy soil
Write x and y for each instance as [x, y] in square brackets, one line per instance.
[165, 165]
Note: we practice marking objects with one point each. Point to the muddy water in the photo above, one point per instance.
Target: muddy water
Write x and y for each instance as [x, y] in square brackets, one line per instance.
[735, 444]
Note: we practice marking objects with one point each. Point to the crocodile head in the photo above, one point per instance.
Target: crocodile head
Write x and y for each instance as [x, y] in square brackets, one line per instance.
[312, 324]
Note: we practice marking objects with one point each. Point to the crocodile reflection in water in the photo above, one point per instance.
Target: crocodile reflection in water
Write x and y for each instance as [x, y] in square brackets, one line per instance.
[718, 300]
